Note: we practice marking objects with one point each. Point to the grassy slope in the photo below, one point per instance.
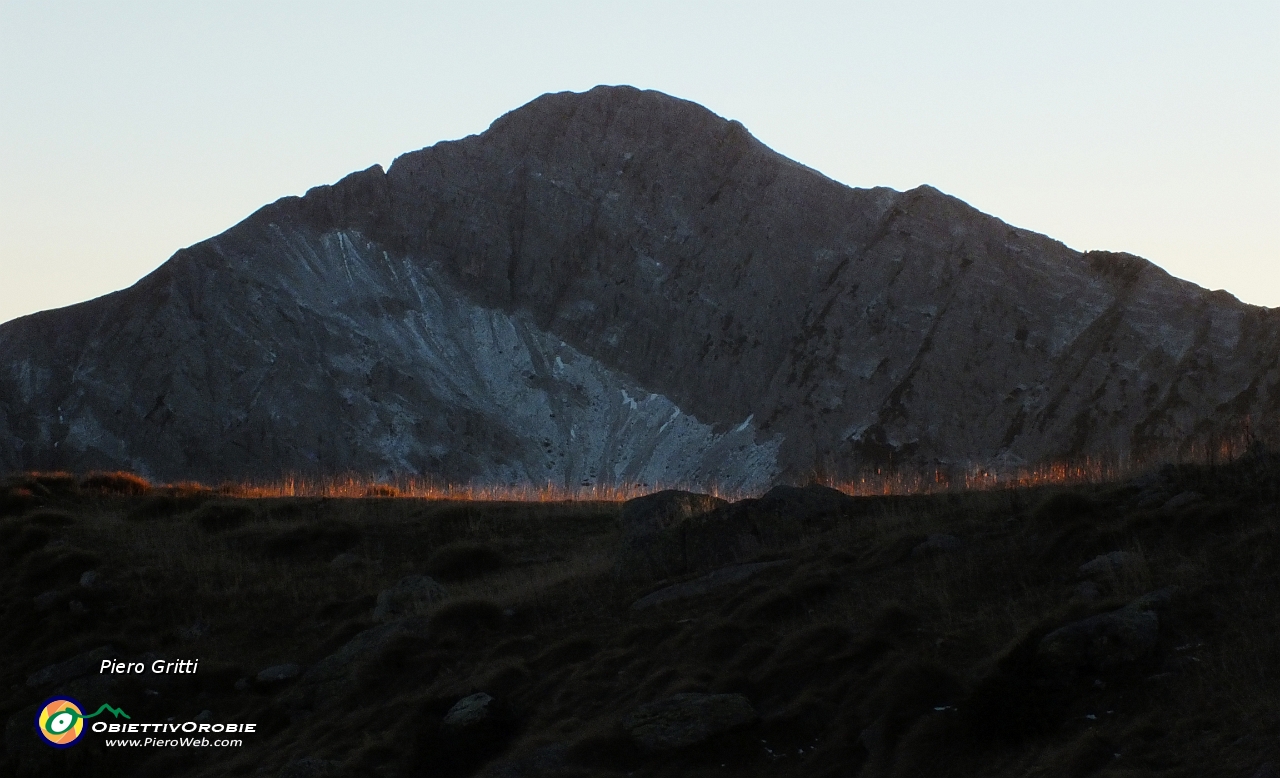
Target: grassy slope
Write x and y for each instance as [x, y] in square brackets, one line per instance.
[852, 634]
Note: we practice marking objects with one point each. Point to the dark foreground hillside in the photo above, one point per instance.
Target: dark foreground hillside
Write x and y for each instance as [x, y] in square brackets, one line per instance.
[1126, 629]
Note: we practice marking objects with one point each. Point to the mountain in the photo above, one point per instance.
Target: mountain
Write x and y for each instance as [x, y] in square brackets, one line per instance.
[621, 286]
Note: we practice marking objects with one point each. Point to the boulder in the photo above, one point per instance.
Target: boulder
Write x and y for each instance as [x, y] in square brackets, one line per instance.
[194, 632]
[411, 596]
[1151, 498]
[46, 600]
[344, 560]
[336, 675]
[1087, 591]
[687, 719]
[674, 533]
[805, 503]
[747, 528]
[1107, 564]
[370, 641]
[279, 673]
[653, 513]
[1107, 640]
[468, 712]
[653, 532]
[1181, 499]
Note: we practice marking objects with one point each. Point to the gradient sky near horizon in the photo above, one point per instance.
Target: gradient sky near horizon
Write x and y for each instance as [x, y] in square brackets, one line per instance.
[131, 129]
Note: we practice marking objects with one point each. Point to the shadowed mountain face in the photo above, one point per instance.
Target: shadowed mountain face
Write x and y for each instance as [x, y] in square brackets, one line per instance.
[620, 286]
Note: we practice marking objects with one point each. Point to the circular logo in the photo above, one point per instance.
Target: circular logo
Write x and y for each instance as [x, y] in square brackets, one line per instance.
[60, 721]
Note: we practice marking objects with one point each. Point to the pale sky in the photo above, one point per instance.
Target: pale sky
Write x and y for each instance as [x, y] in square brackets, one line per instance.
[130, 129]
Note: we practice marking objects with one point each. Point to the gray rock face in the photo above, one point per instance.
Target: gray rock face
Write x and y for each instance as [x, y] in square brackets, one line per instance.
[687, 719]
[410, 596]
[620, 286]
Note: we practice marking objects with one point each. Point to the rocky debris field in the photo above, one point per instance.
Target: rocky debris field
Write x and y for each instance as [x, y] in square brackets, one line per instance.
[1116, 630]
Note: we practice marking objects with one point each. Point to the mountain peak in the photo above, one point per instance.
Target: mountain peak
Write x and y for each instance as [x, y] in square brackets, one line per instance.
[620, 286]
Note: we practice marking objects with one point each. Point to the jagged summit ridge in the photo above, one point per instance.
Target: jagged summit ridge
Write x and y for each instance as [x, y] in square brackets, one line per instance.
[628, 269]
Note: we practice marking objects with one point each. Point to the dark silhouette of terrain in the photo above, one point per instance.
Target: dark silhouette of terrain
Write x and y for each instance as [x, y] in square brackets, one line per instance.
[622, 287]
[1113, 630]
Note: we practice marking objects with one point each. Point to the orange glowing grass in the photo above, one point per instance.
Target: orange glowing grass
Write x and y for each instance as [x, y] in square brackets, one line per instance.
[1091, 470]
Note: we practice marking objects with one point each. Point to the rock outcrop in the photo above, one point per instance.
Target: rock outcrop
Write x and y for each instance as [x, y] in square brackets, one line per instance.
[411, 596]
[620, 286]
[687, 719]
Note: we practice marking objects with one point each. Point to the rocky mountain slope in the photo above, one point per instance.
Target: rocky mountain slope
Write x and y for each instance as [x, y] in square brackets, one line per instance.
[620, 286]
